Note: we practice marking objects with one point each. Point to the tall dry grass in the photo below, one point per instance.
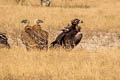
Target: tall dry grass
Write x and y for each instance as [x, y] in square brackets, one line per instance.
[59, 64]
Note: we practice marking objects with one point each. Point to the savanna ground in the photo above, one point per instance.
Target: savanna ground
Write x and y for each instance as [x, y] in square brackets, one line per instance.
[97, 57]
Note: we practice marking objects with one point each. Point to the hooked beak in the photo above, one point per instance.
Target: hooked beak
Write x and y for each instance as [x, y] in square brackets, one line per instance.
[80, 21]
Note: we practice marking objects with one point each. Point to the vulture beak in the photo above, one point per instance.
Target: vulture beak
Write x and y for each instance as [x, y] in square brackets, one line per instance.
[80, 21]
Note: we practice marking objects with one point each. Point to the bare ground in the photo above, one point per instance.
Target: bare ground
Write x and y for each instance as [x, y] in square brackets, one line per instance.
[97, 40]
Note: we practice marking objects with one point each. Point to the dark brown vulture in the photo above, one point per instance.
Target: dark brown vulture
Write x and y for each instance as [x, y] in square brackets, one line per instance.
[70, 36]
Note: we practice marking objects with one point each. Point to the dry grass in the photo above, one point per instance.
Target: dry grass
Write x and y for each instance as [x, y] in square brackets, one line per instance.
[59, 65]
[19, 64]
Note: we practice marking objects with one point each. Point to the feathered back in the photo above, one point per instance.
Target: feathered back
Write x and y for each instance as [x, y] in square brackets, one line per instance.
[4, 40]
